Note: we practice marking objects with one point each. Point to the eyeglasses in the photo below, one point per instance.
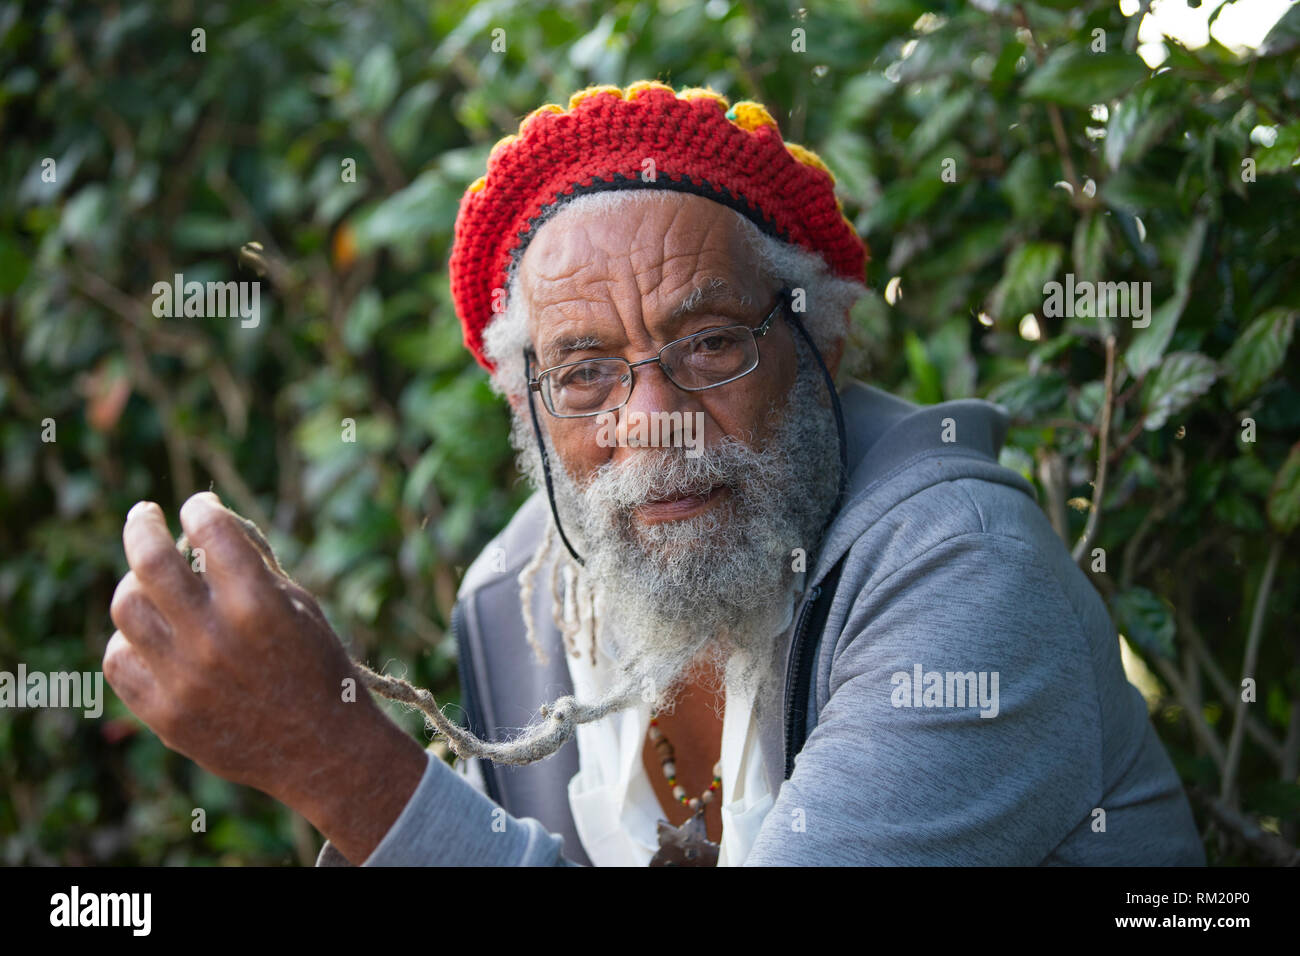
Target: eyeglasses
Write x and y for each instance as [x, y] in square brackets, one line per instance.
[693, 363]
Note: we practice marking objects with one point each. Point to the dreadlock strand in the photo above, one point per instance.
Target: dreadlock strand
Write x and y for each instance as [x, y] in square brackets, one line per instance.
[527, 585]
[537, 742]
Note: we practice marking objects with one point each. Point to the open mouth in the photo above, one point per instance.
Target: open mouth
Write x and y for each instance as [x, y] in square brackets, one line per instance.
[678, 506]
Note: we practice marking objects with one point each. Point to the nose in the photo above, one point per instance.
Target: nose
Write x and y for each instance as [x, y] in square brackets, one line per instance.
[647, 419]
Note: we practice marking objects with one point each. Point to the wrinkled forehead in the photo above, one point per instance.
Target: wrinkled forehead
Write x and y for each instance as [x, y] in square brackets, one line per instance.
[651, 245]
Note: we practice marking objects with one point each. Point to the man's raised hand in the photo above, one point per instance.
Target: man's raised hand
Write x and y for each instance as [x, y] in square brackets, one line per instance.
[235, 667]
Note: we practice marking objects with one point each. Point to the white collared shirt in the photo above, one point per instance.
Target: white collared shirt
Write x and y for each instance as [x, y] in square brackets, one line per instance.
[614, 807]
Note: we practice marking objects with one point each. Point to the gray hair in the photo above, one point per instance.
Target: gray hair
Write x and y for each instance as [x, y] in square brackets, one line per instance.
[827, 297]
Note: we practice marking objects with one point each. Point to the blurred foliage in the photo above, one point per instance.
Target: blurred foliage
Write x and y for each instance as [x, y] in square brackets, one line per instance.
[1063, 154]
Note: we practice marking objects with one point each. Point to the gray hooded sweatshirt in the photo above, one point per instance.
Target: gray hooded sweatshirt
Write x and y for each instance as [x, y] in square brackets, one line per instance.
[955, 698]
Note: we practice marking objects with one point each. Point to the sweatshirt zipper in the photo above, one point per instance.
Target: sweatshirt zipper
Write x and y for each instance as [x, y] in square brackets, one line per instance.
[796, 694]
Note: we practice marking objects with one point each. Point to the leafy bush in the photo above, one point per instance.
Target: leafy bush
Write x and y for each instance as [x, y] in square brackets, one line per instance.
[984, 152]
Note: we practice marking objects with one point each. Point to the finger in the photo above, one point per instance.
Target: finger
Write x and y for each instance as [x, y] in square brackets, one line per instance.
[304, 601]
[236, 570]
[130, 677]
[268, 555]
[138, 618]
[150, 551]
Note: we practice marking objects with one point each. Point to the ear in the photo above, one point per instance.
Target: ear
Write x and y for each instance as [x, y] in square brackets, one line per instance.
[833, 356]
[835, 353]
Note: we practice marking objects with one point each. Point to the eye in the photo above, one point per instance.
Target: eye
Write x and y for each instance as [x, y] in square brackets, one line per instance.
[581, 376]
[714, 342]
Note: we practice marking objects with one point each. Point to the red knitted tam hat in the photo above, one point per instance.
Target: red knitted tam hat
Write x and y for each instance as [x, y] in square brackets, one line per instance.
[699, 144]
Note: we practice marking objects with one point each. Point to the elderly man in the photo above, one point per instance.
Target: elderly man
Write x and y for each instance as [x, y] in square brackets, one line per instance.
[747, 617]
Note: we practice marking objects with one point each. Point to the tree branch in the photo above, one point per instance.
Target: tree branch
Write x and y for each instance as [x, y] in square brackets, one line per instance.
[1103, 441]
[1051, 474]
[1077, 198]
[1195, 719]
[1228, 791]
[1246, 831]
[1191, 635]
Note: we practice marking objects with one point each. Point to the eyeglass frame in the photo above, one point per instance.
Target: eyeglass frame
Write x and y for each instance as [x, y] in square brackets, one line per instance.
[535, 383]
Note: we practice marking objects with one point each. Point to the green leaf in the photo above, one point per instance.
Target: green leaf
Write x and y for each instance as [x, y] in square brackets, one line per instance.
[1088, 250]
[949, 349]
[1284, 499]
[849, 154]
[1028, 188]
[410, 116]
[205, 232]
[364, 319]
[1031, 395]
[1145, 619]
[420, 477]
[1028, 269]
[407, 217]
[1251, 475]
[1285, 34]
[1089, 401]
[1237, 511]
[939, 122]
[923, 370]
[1203, 483]
[1182, 377]
[1138, 122]
[13, 265]
[1135, 192]
[1004, 70]
[964, 253]
[1073, 76]
[1284, 155]
[903, 201]
[1018, 460]
[860, 98]
[1188, 256]
[1144, 352]
[1046, 352]
[85, 213]
[1259, 352]
[377, 79]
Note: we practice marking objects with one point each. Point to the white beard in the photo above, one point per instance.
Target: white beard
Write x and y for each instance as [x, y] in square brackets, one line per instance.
[702, 599]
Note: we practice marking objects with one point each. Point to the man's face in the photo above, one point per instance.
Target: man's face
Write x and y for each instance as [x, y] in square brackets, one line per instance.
[686, 549]
[612, 286]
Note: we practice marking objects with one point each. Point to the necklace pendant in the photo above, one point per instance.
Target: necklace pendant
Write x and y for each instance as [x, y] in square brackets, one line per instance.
[686, 845]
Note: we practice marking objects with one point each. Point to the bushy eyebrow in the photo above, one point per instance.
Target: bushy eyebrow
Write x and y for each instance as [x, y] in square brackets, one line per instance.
[709, 292]
[578, 343]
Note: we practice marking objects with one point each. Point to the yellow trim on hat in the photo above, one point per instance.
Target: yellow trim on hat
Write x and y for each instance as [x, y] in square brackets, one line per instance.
[642, 86]
[809, 158]
[502, 143]
[545, 108]
[750, 115]
[704, 93]
[583, 94]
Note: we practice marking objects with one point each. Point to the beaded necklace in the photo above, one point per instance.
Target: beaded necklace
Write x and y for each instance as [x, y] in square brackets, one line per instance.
[689, 844]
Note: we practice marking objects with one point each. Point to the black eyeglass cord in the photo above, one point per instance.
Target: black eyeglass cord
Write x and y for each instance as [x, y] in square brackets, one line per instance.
[835, 405]
[546, 465]
[839, 422]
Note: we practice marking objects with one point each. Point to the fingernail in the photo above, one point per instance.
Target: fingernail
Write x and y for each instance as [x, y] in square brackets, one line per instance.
[139, 508]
